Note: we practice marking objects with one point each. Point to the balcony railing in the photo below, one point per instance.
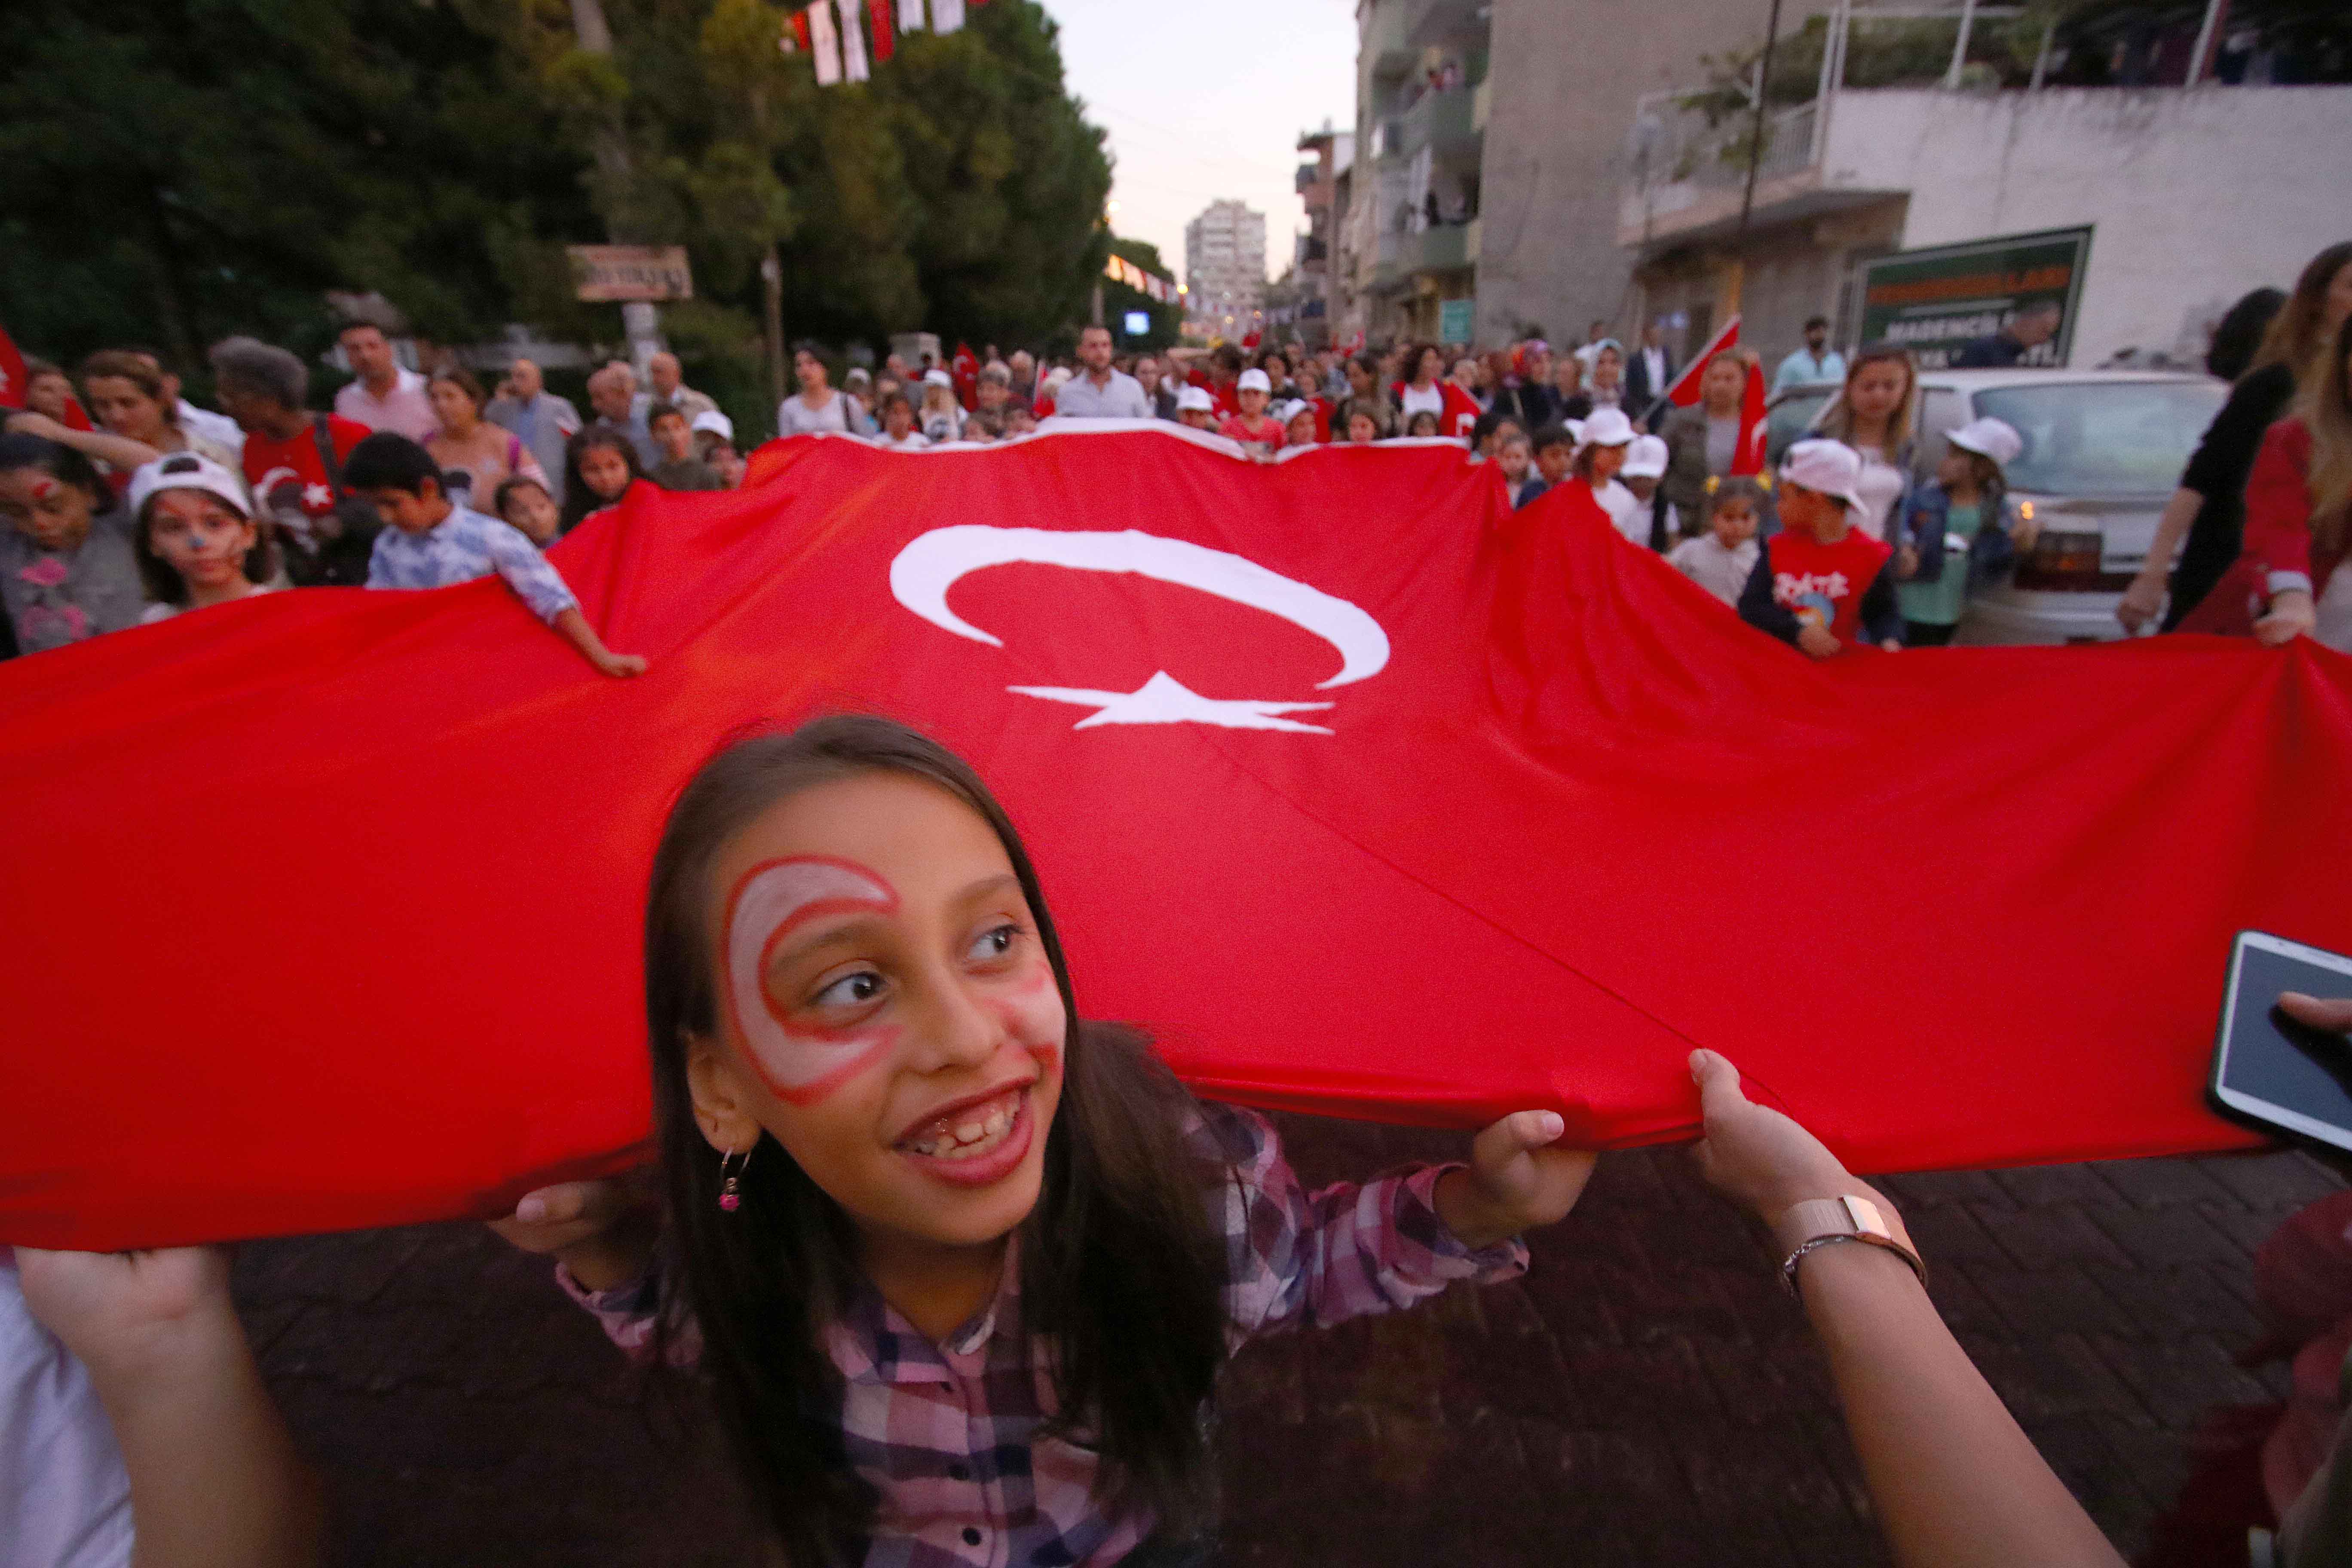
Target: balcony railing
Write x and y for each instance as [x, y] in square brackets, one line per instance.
[1384, 37]
[1443, 120]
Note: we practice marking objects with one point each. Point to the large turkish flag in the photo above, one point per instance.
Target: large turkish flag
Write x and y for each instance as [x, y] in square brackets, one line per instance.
[323, 910]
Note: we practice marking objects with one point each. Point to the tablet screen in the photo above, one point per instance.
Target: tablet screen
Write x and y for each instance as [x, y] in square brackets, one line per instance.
[2261, 1061]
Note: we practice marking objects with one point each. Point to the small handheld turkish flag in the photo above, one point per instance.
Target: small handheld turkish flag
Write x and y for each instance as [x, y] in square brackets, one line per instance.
[1747, 458]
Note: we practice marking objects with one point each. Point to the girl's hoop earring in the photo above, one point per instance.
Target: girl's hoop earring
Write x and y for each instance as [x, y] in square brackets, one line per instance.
[731, 1166]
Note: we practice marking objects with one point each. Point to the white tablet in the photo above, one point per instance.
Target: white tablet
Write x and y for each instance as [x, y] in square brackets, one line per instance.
[2270, 1069]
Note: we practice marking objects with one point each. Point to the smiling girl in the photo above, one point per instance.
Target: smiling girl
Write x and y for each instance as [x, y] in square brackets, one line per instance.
[962, 1269]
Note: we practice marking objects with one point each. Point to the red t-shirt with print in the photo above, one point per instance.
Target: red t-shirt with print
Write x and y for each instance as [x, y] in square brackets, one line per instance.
[1824, 583]
[285, 477]
[1266, 429]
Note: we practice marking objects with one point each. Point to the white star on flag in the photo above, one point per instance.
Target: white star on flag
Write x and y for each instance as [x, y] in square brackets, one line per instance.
[318, 496]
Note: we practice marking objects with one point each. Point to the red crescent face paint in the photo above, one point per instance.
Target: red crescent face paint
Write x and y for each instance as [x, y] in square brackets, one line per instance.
[803, 1063]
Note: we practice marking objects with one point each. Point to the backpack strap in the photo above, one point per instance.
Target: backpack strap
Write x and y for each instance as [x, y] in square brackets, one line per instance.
[327, 455]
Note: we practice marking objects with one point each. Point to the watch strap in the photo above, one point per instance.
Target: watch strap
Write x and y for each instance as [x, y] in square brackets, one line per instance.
[1818, 1222]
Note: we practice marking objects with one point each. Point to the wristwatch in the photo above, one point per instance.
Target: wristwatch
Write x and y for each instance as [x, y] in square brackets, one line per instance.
[1820, 1222]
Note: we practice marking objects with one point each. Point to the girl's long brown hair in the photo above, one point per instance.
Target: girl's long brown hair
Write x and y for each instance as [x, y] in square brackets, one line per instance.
[2299, 331]
[2325, 406]
[1837, 423]
[1120, 1267]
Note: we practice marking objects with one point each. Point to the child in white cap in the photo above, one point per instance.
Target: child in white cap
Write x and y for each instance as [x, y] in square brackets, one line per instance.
[1607, 436]
[1195, 408]
[1960, 528]
[194, 537]
[1259, 434]
[1821, 585]
[1645, 465]
[942, 416]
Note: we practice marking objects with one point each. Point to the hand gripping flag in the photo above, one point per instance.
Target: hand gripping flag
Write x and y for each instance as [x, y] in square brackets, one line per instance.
[1364, 793]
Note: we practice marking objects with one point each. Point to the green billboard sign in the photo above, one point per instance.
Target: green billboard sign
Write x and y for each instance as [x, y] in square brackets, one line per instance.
[1454, 321]
[1934, 300]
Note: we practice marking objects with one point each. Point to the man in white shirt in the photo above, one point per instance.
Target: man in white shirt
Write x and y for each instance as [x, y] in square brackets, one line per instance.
[1101, 392]
[383, 396]
[1594, 336]
[1649, 372]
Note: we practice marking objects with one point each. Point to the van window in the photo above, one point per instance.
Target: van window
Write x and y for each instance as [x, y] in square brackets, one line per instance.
[2103, 438]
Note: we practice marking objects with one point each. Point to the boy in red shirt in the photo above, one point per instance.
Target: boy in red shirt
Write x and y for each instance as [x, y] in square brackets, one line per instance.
[1820, 584]
[1252, 428]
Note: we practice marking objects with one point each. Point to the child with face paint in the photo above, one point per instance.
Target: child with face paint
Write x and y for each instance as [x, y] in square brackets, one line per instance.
[66, 571]
[961, 1269]
[197, 541]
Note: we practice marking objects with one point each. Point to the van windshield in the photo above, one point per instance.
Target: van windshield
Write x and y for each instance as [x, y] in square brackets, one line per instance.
[2103, 439]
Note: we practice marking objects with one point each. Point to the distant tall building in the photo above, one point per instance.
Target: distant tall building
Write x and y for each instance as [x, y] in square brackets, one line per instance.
[1224, 268]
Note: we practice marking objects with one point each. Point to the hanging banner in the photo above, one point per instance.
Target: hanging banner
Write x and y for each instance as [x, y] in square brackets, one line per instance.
[911, 16]
[824, 43]
[853, 41]
[946, 15]
[884, 44]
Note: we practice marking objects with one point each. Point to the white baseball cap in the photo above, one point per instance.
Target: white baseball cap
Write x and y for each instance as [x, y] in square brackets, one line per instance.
[1252, 381]
[711, 420]
[1644, 459]
[1994, 438]
[1193, 397]
[186, 471]
[1575, 430]
[1608, 427]
[938, 378]
[1831, 467]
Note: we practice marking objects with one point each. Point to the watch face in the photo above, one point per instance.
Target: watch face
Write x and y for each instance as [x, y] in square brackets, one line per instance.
[1867, 1221]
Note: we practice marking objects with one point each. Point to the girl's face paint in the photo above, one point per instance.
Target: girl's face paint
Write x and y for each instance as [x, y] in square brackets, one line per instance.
[799, 1053]
[890, 1015]
[52, 514]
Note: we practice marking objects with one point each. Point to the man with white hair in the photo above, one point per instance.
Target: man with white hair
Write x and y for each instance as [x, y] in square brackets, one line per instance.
[540, 420]
[613, 393]
[1023, 369]
[664, 382]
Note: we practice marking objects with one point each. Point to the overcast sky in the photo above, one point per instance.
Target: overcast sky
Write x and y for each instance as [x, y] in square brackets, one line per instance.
[1207, 100]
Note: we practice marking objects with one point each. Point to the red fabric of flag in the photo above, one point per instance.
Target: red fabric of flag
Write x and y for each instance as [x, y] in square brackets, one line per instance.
[1747, 458]
[884, 39]
[1365, 793]
[1683, 393]
[801, 31]
[12, 373]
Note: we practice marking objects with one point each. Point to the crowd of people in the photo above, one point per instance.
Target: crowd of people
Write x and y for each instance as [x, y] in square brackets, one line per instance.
[908, 978]
[105, 533]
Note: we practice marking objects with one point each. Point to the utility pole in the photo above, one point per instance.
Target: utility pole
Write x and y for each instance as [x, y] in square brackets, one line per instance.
[772, 276]
[640, 319]
[1755, 157]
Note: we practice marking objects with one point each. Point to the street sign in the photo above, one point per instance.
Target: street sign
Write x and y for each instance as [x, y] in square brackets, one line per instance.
[1454, 319]
[1934, 300]
[602, 274]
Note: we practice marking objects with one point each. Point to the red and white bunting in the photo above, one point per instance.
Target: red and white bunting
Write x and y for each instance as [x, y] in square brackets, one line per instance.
[946, 15]
[911, 16]
[825, 42]
[885, 44]
[852, 39]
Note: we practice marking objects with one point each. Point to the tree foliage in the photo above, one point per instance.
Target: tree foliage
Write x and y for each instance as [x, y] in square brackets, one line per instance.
[176, 170]
[172, 171]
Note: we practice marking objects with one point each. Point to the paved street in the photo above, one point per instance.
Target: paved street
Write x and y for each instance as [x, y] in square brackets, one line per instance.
[1644, 1395]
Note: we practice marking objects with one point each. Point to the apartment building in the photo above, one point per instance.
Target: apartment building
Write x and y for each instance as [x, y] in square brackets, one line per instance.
[1224, 269]
[1490, 149]
[1320, 184]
